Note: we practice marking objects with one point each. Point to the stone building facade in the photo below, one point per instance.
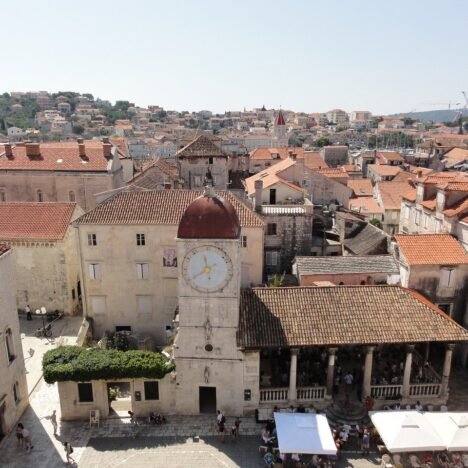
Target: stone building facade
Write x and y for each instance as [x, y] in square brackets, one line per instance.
[134, 234]
[202, 162]
[13, 386]
[59, 172]
[45, 252]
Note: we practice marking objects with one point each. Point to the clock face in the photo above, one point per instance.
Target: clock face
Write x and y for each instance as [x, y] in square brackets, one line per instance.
[207, 268]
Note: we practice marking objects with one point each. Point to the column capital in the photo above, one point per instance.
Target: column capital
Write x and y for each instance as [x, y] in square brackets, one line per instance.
[410, 348]
[332, 351]
[294, 351]
[370, 349]
[450, 346]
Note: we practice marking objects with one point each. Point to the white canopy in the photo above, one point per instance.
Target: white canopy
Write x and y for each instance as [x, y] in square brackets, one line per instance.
[304, 433]
[452, 428]
[405, 431]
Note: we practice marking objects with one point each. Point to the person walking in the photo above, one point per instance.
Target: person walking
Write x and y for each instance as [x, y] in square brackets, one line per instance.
[27, 439]
[365, 442]
[221, 430]
[68, 451]
[28, 313]
[53, 420]
[19, 435]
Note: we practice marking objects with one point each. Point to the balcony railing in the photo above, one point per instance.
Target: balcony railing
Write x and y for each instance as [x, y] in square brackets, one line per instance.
[311, 393]
[423, 390]
[282, 394]
[274, 394]
[386, 392]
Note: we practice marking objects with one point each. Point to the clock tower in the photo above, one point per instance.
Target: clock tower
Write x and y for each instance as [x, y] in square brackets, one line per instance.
[208, 363]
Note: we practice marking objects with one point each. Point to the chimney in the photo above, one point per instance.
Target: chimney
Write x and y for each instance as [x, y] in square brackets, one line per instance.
[105, 139]
[107, 150]
[81, 148]
[258, 195]
[33, 150]
[293, 156]
[419, 174]
[8, 150]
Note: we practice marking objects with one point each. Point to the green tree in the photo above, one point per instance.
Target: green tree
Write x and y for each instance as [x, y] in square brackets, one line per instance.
[78, 129]
[276, 281]
[376, 222]
[322, 141]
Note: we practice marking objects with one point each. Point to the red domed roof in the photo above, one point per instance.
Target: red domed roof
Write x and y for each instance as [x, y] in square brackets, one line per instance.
[209, 217]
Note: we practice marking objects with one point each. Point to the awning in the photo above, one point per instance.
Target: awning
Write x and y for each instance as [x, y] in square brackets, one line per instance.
[452, 428]
[304, 433]
[406, 431]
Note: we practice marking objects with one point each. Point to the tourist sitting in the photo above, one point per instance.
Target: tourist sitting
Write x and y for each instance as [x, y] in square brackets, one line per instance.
[443, 460]
[418, 406]
[268, 438]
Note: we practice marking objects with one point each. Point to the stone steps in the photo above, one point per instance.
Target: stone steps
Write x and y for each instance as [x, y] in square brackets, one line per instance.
[337, 415]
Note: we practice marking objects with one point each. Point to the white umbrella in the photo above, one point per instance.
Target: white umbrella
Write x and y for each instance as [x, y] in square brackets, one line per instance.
[452, 428]
[406, 431]
[304, 433]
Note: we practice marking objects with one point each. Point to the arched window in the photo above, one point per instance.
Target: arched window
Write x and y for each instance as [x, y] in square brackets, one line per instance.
[40, 196]
[71, 195]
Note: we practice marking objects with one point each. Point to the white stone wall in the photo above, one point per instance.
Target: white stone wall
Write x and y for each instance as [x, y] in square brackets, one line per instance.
[192, 169]
[14, 371]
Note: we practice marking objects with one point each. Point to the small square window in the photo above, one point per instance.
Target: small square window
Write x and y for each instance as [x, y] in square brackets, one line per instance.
[142, 271]
[85, 392]
[271, 229]
[151, 390]
[244, 241]
[94, 271]
[92, 240]
[140, 239]
[2, 196]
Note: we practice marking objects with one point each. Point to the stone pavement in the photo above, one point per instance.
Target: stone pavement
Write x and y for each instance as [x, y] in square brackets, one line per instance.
[64, 331]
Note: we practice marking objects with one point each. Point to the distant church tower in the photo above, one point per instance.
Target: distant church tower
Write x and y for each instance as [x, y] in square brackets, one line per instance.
[279, 130]
[209, 365]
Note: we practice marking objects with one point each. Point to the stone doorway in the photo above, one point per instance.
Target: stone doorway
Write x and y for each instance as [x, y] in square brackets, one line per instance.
[208, 400]
[120, 399]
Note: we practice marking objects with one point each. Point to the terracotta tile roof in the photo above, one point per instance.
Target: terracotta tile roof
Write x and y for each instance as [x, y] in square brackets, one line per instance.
[410, 196]
[158, 207]
[347, 264]
[270, 176]
[384, 170]
[313, 160]
[334, 173]
[458, 209]
[430, 204]
[364, 205]
[404, 177]
[361, 187]
[268, 154]
[201, 147]
[4, 248]
[455, 185]
[391, 193]
[58, 156]
[342, 315]
[455, 156]
[154, 174]
[431, 249]
[35, 221]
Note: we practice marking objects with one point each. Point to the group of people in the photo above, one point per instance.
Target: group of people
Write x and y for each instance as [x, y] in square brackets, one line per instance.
[221, 425]
[342, 433]
[24, 440]
[157, 418]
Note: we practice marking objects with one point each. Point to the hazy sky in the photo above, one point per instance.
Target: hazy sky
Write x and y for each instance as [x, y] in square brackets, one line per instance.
[384, 56]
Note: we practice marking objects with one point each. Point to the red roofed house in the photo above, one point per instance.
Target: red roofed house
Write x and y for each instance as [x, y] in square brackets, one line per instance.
[438, 204]
[59, 172]
[46, 262]
[436, 265]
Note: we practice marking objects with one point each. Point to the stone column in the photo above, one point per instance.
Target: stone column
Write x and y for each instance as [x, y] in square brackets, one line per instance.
[366, 380]
[331, 372]
[446, 370]
[427, 350]
[292, 395]
[405, 391]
